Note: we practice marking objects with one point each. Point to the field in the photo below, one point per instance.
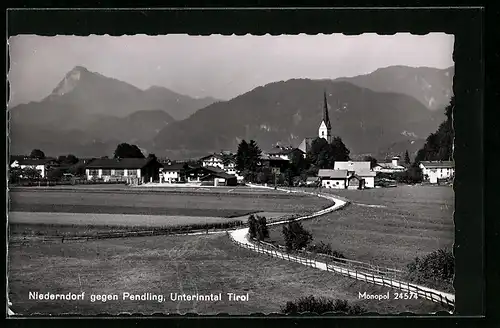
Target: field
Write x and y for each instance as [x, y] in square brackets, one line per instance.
[166, 202]
[175, 264]
[387, 226]
[204, 263]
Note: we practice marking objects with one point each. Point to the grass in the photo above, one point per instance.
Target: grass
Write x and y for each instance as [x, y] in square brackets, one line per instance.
[162, 203]
[175, 264]
[413, 222]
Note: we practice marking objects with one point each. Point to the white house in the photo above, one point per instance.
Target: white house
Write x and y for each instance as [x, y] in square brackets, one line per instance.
[41, 165]
[433, 171]
[171, 172]
[390, 167]
[131, 170]
[360, 169]
[224, 161]
[336, 179]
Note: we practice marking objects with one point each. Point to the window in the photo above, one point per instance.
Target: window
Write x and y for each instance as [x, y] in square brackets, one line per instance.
[106, 172]
[337, 183]
[93, 172]
[328, 182]
[323, 133]
[119, 173]
[132, 173]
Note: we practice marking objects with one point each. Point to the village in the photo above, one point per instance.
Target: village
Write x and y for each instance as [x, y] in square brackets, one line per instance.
[221, 169]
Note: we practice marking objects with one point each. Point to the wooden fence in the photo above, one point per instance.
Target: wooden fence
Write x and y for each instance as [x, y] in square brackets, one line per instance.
[386, 277]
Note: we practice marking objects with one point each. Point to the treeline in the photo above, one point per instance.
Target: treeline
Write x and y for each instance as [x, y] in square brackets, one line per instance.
[439, 145]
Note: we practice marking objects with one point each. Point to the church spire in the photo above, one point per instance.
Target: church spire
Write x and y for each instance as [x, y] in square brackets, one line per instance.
[326, 118]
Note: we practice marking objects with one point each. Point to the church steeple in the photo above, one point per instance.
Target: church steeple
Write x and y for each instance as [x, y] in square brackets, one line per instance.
[326, 118]
[325, 128]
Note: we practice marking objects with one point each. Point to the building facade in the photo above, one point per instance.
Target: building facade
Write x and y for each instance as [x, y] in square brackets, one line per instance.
[130, 170]
[434, 171]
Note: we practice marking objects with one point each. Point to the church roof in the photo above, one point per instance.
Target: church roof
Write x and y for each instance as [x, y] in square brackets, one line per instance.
[326, 118]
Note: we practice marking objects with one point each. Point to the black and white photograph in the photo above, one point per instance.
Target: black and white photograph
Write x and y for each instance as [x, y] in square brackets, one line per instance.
[237, 174]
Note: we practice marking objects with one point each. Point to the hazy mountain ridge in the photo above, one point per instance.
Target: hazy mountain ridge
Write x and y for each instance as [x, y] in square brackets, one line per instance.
[433, 87]
[289, 111]
[88, 114]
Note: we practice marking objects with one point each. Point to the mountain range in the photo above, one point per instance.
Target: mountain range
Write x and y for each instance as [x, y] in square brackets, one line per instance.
[88, 114]
[431, 86]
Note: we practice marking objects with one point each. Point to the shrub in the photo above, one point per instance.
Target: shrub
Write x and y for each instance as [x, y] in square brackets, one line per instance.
[252, 226]
[436, 269]
[321, 305]
[262, 230]
[296, 237]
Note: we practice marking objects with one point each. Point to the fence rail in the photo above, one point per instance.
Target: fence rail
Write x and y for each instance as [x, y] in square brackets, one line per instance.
[349, 270]
[122, 234]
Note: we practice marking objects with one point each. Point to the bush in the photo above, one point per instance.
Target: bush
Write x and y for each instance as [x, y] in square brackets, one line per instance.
[436, 269]
[321, 305]
[296, 237]
[257, 227]
[252, 226]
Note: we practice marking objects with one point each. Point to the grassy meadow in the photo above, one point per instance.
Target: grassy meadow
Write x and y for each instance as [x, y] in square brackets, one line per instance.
[387, 226]
[175, 264]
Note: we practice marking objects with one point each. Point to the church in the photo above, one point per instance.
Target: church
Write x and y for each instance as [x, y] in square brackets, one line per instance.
[324, 131]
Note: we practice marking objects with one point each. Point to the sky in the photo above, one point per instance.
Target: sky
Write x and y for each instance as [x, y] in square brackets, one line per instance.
[219, 66]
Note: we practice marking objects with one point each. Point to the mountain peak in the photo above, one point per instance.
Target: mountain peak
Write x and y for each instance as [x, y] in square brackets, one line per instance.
[70, 80]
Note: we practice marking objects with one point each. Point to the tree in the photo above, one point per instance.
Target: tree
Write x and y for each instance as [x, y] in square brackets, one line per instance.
[372, 160]
[124, 150]
[296, 237]
[339, 150]
[252, 226]
[407, 158]
[242, 156]
[69, 159]
[254, 153]
[289, 175]
[37, 153]
[323, 155]
[298, 164]
[262, 230]
[439, 145]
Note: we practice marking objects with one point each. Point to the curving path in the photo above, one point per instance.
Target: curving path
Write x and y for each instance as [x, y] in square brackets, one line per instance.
[240, 236]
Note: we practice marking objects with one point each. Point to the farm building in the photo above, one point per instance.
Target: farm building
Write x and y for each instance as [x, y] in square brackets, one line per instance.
[41, 165]
[276, 163]
[131, 170]
[360, 169]
[171, 172]
[390, 167]
[211, 174]
[224, 160]
[333, 178]
[434, 171]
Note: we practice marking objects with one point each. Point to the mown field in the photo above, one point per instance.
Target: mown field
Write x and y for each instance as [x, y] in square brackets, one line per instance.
[176, 203]
[408, 221]
[175, 264]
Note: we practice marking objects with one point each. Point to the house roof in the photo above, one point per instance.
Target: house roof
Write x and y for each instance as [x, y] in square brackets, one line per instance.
[352, 166]
[332, 174]
[33, 161]
[173, 166]
[365, 173]
[391, 166]
[267, 157]
[119, 163]
[437, 164]
[218, 156]
[312, 179]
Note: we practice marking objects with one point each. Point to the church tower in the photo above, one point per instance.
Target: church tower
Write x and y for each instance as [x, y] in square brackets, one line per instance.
[325, 128]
